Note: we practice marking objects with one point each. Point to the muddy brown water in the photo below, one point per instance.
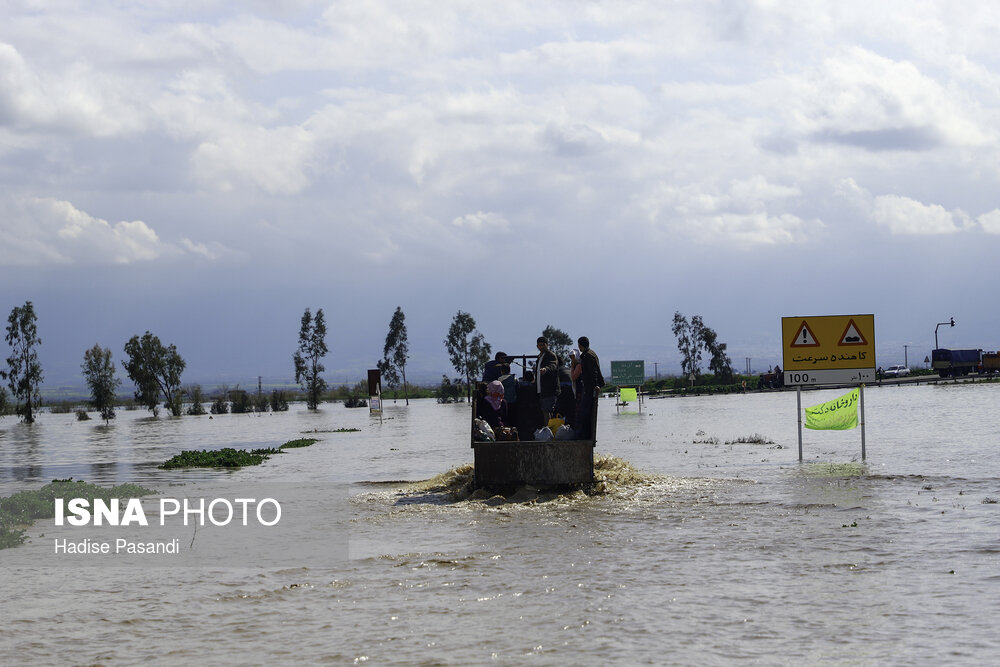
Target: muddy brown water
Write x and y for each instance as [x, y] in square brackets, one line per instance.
[698, 549]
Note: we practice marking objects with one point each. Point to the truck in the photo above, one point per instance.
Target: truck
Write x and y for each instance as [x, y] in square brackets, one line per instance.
[990, 363]
[954, 363]
[501, 462]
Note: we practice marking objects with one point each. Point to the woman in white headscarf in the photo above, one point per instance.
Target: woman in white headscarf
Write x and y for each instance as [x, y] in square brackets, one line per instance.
[493, 406]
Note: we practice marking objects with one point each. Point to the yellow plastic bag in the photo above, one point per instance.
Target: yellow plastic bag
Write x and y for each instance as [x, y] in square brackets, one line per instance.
[555, 423]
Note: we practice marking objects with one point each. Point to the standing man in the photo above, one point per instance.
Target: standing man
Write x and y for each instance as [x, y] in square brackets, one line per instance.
[546, 378]
[588, 370]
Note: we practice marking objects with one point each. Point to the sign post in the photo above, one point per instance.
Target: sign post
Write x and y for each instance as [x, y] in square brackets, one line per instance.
[828, 350]
[375, 392]
[628, 374]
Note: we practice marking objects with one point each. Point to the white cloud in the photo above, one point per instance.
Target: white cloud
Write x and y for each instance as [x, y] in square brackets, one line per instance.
[865, 100]
[752, 211]
[41, 231]
[903, 215]
[274, 160]
[76, 99]
[990, 222]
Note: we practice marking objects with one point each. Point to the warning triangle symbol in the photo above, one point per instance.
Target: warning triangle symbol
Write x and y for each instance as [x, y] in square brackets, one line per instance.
[852, 335]
[805, 337]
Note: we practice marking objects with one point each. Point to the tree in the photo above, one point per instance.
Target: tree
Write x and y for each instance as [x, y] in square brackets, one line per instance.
[99, 372]
[312, 348]
[197, 399]
[559, 341]
[694, 337]
[396, 353]
[155, 370]
[720, 364]
[688, 342]
[24, 372]
[467, 349]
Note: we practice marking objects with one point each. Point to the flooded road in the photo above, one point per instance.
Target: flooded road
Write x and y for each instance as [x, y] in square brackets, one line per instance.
[714, 551]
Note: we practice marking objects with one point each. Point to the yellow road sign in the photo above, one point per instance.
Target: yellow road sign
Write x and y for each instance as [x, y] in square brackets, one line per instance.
[828, 343]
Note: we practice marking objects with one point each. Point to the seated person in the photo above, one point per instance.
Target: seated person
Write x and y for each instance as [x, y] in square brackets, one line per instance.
[492, 406]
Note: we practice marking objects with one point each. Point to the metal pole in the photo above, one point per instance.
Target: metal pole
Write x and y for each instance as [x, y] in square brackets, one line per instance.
[862, 396]
[798, 414]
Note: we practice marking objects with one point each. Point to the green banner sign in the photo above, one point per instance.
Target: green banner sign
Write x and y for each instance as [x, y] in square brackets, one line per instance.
[840, 414]
[628, 373]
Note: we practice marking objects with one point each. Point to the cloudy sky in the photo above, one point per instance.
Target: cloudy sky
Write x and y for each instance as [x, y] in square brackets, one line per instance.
[207, 170]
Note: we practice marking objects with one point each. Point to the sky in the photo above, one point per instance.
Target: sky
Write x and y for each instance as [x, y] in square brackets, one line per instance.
[208, 170]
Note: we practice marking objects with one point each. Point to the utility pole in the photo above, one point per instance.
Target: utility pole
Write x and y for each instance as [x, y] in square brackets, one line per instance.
[905, 356]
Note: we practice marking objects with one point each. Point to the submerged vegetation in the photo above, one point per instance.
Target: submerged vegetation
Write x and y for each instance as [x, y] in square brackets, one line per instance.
[229, 457]
[755, 439]
[25, 507]
[301, 442]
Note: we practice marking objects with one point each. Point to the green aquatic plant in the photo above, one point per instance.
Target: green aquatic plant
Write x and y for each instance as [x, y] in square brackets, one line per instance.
[301, 442]
[227, 457]
[25, 507]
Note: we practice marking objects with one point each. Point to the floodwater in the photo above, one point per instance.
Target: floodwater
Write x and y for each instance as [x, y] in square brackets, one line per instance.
[715, 552]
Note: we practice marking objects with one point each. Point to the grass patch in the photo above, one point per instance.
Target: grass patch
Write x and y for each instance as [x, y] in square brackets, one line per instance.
[220, 458]
[301, 442]
[25, 507]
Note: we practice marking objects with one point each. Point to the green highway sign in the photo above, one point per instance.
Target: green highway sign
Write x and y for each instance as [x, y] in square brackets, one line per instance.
[628, 373]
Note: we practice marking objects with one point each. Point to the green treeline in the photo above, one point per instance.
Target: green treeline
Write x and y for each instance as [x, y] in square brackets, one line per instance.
[156, 368]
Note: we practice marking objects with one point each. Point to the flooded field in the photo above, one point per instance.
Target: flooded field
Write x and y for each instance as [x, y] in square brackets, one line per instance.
[709, 543]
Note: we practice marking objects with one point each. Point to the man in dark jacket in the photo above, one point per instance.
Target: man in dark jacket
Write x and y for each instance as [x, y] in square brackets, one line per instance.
[496, 368]
[546, 377]
[586, 368]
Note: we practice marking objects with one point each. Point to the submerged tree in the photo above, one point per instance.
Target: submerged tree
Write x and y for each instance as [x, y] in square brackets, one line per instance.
[99, 372]
[396, 353]
[155, 370]
[467, 349]
[720, 364]
[312, 348]
[197, 396]
[688, 342]
[692, 339]
[24, 372]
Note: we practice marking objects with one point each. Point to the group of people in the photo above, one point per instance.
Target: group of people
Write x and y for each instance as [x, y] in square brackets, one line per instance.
[583, 378]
